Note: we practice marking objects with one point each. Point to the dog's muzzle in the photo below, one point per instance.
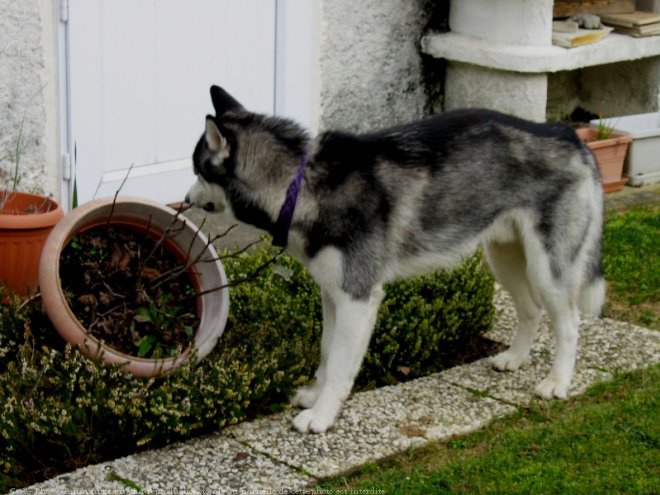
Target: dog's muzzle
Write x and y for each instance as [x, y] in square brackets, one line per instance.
[209, 206]
[209, 197]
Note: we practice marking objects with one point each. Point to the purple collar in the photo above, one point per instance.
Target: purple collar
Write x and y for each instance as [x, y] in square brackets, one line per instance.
[283, 223]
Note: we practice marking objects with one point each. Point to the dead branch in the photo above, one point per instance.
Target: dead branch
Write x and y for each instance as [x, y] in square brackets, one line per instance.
[249, 278]
[121, 186]
[192, 260]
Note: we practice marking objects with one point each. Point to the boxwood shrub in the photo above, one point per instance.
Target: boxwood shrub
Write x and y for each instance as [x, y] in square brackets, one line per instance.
[60, 410]
[425, 317]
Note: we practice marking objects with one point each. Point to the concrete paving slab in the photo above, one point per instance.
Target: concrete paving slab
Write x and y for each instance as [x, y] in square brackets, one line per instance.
[603, 343]
[517, 387]
[605, 347]
[618, 346]
[215, 464]
[374, 425]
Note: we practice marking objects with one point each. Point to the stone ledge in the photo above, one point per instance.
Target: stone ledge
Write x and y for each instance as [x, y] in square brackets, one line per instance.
[538, 59]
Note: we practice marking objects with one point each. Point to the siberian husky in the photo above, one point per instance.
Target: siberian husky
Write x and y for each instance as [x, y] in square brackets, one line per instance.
[361, 210]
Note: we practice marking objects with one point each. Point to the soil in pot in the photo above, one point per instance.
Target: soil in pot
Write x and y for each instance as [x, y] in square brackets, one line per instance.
[129, 291]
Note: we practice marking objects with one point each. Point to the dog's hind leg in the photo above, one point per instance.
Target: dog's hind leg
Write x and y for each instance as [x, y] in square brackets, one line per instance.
[508, 263]
[567, 255]
[563, 310]
[354, 323]
[557, 281]
[306, 396]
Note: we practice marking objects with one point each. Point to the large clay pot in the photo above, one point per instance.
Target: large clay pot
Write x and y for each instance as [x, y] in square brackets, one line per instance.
[25, 222]
[213, 307]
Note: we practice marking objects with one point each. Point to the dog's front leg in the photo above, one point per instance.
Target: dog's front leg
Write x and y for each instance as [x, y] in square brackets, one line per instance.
[306, 396]
[354, 323]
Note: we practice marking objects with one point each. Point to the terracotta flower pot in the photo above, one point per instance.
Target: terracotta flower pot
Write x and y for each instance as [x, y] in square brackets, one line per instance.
[610, 154]
[25, 222]
[213, 307]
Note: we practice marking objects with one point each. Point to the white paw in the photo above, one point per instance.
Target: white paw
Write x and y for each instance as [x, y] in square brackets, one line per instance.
[509, 361]
[312, 421]
[306, 397]
[552, 387]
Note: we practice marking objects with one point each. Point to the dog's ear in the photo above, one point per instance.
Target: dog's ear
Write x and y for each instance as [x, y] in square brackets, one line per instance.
[223, 102]
[216, 142]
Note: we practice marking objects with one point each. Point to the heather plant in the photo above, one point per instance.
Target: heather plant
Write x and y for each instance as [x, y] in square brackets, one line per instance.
[60, 410]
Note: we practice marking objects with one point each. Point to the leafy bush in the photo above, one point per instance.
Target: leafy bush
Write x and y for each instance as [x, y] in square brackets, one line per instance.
[60, 410]
[424, 317]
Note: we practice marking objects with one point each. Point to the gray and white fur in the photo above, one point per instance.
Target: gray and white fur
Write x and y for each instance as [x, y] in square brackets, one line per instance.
[406, 200]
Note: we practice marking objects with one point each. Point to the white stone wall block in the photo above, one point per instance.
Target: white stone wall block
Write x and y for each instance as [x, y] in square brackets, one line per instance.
[518, 94]
[370, 65]
[515, 22]
[27, 86]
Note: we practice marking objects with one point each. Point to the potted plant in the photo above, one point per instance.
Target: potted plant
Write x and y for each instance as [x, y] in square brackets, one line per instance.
[112, 241]
[610, 148]
[642, 162]
[25, 221]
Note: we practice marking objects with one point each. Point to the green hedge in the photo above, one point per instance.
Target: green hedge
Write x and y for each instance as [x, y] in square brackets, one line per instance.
[59, 410]
[424, 317]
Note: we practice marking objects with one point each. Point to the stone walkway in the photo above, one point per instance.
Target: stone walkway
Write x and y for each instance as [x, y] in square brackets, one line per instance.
[268, 456]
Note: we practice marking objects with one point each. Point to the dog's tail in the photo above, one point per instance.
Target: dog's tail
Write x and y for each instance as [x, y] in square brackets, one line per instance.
[592, 292]
[592, 297]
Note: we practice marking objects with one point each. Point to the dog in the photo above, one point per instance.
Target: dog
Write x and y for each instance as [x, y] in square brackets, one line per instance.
[361, 210]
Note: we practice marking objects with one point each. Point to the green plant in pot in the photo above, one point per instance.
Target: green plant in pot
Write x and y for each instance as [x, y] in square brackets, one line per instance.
[609, 147]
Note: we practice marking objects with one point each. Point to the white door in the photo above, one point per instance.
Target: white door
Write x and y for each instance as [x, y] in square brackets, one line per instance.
[139, 73]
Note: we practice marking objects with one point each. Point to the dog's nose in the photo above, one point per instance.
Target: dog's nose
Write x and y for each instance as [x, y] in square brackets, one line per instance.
[209, 207]
[187, 200]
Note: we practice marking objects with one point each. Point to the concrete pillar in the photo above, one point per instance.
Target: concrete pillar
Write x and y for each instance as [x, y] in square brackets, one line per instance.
[512, 22]
[518, 94]
[507, 22]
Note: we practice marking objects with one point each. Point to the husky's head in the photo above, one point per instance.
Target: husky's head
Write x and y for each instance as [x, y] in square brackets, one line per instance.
[245, 161]
[212, 159]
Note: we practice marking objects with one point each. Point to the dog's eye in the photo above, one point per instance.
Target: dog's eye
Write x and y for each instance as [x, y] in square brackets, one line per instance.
[217, 174]
[210, 169]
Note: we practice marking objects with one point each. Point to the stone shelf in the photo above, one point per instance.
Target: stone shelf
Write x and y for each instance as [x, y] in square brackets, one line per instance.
[538, 59]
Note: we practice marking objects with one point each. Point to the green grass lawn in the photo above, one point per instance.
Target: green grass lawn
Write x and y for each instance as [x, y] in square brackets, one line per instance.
[631, 261]
[605, 441]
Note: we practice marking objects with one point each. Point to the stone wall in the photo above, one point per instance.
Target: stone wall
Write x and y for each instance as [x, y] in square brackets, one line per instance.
[623, 88]
[28, 94]
[370, 67]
